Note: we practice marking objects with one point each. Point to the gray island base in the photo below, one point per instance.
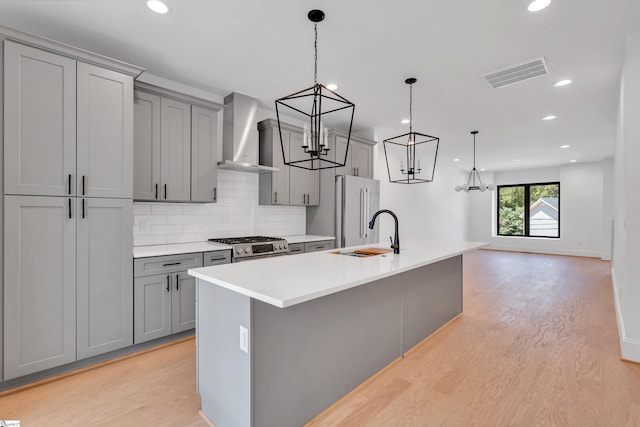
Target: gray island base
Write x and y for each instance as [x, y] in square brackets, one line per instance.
[302, 358]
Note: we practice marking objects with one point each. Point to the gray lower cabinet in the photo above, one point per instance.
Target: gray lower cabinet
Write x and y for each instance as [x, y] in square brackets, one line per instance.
[296, 248]
[164, 294]
[67, 280]
[322, 245]
[68, 126]
[39, 283]
[104, 275]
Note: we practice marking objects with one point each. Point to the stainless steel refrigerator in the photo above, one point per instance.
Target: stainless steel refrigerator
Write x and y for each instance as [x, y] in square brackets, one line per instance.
[357, 199]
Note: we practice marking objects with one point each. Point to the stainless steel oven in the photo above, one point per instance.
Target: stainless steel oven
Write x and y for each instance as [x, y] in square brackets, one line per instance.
[254, 247]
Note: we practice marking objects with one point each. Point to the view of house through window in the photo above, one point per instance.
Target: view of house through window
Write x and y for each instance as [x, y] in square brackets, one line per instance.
[530, 210]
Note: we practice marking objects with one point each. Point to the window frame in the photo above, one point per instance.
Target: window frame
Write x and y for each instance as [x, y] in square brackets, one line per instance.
[527, 219]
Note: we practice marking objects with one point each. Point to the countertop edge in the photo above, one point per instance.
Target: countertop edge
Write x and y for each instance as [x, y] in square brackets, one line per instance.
[309, 297]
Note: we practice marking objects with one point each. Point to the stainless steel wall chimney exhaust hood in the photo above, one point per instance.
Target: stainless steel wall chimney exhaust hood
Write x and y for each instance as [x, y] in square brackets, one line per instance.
[240, 149]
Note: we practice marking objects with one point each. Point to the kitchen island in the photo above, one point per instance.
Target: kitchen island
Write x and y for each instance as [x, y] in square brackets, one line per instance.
[281, 339]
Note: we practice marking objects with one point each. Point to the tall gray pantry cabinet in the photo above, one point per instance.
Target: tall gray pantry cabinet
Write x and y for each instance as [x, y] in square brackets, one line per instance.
[68, 152]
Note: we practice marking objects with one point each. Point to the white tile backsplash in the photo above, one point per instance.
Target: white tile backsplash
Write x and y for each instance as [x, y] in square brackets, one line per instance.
[237, 213]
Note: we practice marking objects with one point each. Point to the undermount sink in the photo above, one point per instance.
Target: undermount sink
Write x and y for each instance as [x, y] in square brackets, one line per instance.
[363, 253]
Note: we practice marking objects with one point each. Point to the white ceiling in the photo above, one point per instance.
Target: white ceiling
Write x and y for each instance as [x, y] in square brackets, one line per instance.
[265, 49]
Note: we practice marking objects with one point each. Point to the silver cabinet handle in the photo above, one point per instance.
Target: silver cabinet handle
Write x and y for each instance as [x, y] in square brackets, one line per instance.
[171, 263]
[215, 194]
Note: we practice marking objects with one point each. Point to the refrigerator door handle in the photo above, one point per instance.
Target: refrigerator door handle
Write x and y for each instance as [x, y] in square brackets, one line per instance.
[366, 215]
[361, 210]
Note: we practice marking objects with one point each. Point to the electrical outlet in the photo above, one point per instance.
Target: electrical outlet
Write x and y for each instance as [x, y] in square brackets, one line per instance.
[144, 226]
[244, 339]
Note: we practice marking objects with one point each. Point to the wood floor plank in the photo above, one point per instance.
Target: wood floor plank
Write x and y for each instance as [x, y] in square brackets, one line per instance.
[537, 345]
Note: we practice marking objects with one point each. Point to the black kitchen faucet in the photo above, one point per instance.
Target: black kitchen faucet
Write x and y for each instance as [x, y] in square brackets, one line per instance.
[395, 245]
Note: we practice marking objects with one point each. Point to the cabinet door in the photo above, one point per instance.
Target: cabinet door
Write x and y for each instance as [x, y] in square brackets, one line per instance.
[363, 159]
[105, 133]
[146, 146]
[341, 146]
[105, 275]
[39, 121]
[204, 154]
[39, 284]
[297, 177]
[152, 307]
[313, 188]
[183, 302]
[280, 194]
[175, 143]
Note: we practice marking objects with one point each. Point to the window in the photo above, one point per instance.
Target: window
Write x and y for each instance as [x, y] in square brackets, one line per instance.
[529, 210]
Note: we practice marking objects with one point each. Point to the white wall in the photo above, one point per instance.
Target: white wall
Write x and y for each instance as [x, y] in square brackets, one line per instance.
[582, 195]
[237, 213]
[626, 250]
[427, 210]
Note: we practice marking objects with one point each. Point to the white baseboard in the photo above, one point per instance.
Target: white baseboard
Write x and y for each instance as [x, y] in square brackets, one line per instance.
[629, 348]
[588, 254]
[605, 256]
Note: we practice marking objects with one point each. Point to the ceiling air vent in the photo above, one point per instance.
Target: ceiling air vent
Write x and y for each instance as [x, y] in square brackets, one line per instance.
[518, 73]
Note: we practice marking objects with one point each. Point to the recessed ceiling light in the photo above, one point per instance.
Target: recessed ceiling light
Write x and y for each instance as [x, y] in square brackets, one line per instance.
[517, 160]
[549, 118]
[565, 146]
[538, 5]
[572, 161]
[482, 169]
[562, 82]
[456, 159]
[158, 7]
[404, 121]
[332, 86]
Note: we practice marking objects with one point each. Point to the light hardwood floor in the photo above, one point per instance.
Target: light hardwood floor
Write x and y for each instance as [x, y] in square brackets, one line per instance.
[537, 345]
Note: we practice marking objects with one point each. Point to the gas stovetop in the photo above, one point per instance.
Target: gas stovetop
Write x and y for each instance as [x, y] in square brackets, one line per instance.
[255, 246]
[250, 239]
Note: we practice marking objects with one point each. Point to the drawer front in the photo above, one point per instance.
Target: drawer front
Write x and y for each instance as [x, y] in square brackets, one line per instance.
[296, 248]
[318, 246]
[166, 264]
[216, 258]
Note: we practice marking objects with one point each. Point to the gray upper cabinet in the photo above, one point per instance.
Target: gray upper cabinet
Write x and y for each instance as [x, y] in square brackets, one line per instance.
[274, 186]
[363, 159]
[104, 275]
[291, 185]
[105, 133]
[175, 148]
[359, 157]
[204, 154]
[146, 149]
[39, 122]
[68, 126]
[39, 283]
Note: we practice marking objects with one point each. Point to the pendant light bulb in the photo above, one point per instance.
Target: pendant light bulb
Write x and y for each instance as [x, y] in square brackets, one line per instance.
[458, 188]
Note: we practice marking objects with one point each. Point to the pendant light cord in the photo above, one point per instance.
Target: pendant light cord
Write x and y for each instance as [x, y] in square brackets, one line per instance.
[315, 59]
[411, 108]
[474, 151]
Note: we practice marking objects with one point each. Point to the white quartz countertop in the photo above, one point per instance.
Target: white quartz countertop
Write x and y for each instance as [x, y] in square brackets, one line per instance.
[289, 280]
[177, 248]
[306, 238]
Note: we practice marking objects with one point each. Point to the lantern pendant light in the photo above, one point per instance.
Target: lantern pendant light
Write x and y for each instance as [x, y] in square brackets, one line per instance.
[474, 182]
[407, 154]
[316, 107]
